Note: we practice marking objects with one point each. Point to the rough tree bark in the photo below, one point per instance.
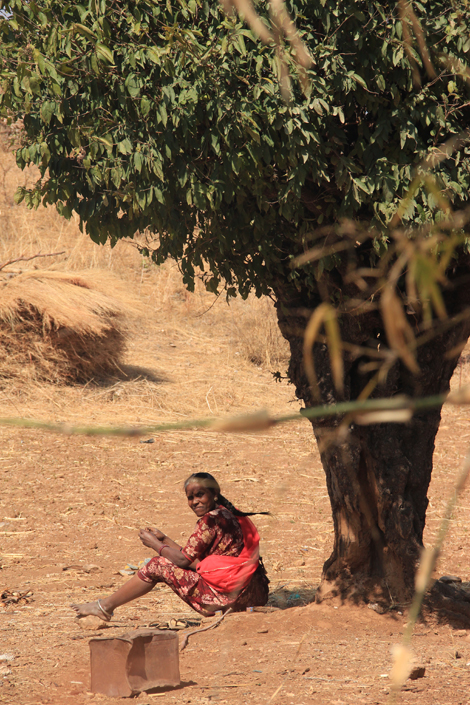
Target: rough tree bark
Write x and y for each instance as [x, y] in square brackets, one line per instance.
[378, 475]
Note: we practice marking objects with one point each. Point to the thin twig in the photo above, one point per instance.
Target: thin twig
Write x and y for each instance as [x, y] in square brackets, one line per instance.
[204, 629]
[287, 674]
[27, 259]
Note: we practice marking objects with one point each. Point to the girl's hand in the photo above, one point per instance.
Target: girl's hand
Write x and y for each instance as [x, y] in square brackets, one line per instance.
[149, 539]
[157, 533]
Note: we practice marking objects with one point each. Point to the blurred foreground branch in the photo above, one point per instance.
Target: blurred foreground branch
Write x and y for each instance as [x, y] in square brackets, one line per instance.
[402, 653]
[398, 409]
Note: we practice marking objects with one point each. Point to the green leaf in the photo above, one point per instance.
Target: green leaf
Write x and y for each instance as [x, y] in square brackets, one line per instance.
[240, 44]
[94, 64]
[39, 59]
[158, 194]
[163, 114]
[104, 141]
[125, 146]
[104, 53]
[359, 80]
[380, 81]
[47, 111]
[145, 105]
[64, 68]
[254, 135]
[156, 166]
[35, 84]
[154, 54]
[316, 105]
[138, 161]
[133, 85]
[84, 31]
[19, 195]
[141, 199]
[116, 176]
[46, 154]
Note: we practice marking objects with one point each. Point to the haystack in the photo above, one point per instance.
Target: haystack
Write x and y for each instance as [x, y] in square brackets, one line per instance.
[62, 326]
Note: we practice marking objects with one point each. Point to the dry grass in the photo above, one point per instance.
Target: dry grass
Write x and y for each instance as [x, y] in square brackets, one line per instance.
[206, 343]
[61, 327]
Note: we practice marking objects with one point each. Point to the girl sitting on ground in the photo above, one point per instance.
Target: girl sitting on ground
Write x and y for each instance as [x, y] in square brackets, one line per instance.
[219, 568]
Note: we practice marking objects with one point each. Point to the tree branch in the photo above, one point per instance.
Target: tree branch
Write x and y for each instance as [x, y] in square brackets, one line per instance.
[26, 259]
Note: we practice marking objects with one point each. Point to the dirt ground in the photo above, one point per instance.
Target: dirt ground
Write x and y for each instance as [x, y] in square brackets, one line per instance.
[74, 504]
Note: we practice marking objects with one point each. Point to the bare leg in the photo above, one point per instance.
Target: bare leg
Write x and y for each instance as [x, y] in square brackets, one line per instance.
[135, 587]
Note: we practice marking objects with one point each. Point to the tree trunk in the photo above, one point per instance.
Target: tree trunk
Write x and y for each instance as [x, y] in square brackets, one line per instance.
[377, 482]
[377, 475]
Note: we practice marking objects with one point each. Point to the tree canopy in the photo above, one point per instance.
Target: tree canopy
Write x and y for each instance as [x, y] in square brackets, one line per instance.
[168, 117]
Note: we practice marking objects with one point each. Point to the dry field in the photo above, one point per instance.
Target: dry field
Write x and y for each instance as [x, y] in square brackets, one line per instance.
[71, 507]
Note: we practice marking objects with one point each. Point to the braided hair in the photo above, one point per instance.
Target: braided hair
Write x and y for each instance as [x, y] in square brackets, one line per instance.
[207, 480]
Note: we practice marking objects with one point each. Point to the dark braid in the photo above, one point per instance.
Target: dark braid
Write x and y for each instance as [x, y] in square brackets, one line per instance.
[228, 505]
[207, 480]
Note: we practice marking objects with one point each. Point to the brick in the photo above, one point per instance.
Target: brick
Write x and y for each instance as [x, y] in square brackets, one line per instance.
[126, 665]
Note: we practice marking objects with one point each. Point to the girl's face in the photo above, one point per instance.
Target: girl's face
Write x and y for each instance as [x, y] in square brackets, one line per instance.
[200, 499]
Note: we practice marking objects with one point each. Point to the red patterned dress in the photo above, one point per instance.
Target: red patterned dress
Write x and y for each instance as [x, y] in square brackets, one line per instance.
[217, 533]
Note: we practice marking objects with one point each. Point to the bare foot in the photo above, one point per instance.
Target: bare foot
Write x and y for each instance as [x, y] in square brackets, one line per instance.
[93, 608]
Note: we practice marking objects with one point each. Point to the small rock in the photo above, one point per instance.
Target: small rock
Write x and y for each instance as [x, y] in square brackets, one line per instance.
[5, 671]
[376, 607]
[7, 657]
[460, 632]
[450, 579]
[91, 568]
[263, 631]
[417, 672]
[86, 568]
[265, 608]
[90, 622]
[457, 654]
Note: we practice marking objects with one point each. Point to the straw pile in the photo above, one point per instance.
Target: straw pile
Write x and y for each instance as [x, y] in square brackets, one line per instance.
[62, 327]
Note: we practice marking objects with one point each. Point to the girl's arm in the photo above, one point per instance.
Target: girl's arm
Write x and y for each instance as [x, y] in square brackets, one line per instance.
[167, 549]
[163, 538]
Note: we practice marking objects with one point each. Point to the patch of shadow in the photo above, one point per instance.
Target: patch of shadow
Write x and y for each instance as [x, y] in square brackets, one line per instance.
[134, 373]
[449, 603]
[128, 373]
[181, 686]
[284, 597]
